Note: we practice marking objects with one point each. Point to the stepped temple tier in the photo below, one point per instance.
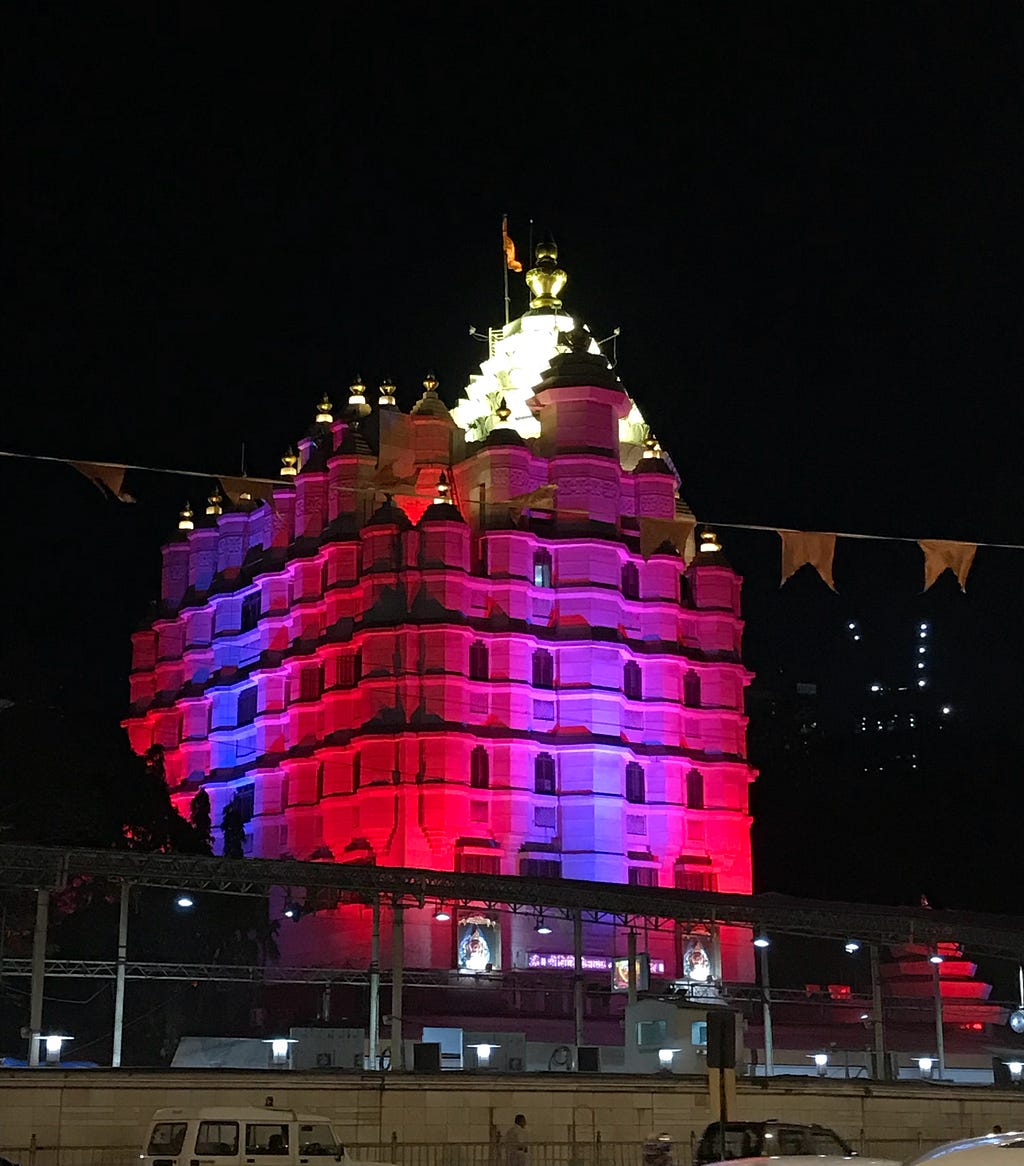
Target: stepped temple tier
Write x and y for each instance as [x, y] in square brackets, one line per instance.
[488, 639]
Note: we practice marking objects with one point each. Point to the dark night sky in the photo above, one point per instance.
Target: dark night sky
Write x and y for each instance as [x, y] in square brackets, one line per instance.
[805, 219]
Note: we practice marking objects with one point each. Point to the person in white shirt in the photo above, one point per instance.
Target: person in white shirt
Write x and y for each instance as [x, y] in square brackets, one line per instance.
[516, 1146]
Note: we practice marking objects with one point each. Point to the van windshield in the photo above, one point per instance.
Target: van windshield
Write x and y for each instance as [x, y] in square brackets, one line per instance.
[167, 1137]
[318, 1140]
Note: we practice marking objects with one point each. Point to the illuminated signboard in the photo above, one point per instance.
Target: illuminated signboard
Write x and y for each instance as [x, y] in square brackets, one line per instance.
[564, 962]
[620, 973]
[697, 958]
[479, 944]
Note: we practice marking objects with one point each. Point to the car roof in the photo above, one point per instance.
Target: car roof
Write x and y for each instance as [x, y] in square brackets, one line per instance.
[251, 1113]
[990, 1148]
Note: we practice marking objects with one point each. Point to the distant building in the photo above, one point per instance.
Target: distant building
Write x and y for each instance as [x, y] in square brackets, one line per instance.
[438, 645]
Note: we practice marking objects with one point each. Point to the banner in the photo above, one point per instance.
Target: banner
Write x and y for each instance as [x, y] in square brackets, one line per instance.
[478, 944]
[697, 963]
[620, 973]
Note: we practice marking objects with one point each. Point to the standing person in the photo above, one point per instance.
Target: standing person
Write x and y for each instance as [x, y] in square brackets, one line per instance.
[516, 1145]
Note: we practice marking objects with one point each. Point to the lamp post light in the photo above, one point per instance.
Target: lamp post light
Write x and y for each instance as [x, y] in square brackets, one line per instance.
[935, 959]
[925, 1065]
[280, 1050]
[666, 1058]
[762, 943]
[1016, 1070]
[52, 1044]
[821, 1063]
[483, 1054]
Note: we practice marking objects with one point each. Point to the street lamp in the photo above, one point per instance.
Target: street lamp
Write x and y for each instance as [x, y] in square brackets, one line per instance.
[542, 927]
[52, 1044]
[762, 943]
[935, 959]
[280, 1049]
[821, 1061]
[442, 914]
[483, 1054]
[925, 1064]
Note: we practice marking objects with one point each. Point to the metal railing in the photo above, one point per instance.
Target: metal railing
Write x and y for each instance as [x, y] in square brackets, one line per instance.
[597, 1152]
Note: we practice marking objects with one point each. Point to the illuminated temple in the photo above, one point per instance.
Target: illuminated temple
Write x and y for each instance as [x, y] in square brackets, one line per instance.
[488, 639]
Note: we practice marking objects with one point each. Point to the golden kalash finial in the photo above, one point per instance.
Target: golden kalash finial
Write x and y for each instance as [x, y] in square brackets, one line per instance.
[324, 416]
[443, 489]
[430, 383]
[357, 392]
[213, 505]
[503, 412]
[185, 521]
[709, 541]
[546, 279]
[652, 448]
[387, 393]
[289, 464]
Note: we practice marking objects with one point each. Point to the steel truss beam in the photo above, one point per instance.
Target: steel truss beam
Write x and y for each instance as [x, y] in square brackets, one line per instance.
[533, 980]
[52, 868]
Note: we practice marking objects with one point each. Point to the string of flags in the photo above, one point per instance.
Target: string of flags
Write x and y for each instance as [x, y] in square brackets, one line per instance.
[815, 549]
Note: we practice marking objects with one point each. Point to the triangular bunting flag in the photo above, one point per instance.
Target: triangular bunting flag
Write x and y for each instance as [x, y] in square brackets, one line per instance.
[255, 487]
[801, 547]
[385, 481]
[655, 531]
[543, 498]
[106, 478]
[939, 554]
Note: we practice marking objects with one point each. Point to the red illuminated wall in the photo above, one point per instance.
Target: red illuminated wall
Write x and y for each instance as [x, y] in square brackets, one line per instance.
[455, 687]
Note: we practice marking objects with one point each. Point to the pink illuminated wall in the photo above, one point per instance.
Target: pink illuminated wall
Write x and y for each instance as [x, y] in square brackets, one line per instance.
[450, 686]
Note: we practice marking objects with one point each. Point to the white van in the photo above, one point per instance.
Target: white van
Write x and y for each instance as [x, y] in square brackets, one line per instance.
[241, 1136]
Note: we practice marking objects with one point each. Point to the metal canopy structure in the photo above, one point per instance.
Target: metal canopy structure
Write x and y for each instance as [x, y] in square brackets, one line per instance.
[51, 868]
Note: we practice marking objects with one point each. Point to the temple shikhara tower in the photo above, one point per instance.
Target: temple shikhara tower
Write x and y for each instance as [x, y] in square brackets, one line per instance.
[490, 639]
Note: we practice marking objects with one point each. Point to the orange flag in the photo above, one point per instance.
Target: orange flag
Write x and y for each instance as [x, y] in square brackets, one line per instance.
[108, 479]
[655, 531]
[543, 498]
[800, 547]
[386, 481]
[256, 488]
[939, 554]
[511, 261]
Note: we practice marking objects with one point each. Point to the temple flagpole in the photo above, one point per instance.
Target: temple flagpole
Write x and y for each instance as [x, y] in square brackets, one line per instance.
[504, 261]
